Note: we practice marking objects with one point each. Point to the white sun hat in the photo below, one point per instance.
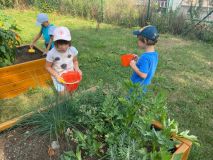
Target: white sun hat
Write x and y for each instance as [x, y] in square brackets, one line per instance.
[62, 33]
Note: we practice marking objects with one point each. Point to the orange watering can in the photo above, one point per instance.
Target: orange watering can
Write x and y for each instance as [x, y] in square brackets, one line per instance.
[71, 80]
[126, 59]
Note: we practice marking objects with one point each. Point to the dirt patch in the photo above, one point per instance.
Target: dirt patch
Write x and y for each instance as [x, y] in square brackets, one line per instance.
[18, 145]
[22, 54]
[2, 142]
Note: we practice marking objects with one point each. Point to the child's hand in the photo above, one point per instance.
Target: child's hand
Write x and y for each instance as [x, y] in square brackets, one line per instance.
[45, 52]
[132, 63]
[60, 79]
[31, 45]
[135, 57]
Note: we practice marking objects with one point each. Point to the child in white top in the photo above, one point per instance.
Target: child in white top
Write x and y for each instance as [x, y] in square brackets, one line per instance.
[61, 58]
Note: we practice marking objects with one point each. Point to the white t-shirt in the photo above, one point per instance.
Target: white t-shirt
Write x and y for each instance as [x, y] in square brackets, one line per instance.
[62, 61]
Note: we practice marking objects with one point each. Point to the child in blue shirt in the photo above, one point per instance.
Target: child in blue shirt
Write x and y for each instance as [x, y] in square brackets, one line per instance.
[146, 65]
[46, 31]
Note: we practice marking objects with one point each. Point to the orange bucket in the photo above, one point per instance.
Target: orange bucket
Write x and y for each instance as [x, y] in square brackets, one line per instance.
[126, 58]
[72, 80]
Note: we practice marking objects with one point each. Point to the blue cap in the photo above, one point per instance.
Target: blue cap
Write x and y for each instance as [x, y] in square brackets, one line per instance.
[149, 32]
[41, 18]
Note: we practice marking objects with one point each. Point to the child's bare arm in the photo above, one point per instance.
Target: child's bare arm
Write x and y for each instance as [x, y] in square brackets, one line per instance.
[49, 45]
[76, 66]
[136, 69]
[49, 68]
[36, 39]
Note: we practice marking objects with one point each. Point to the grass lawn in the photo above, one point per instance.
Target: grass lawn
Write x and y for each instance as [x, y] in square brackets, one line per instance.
[184, 72]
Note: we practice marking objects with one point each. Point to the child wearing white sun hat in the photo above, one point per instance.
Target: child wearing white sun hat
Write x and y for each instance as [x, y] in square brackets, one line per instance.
[61, 58]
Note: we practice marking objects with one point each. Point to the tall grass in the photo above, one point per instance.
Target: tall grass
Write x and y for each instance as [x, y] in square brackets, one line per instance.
[121, 12]
[127, 13]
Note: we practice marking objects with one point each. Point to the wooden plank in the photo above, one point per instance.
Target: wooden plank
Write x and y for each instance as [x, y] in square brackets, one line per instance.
[14, 89]
[29, 66]
[27, 83]
[8, 92]
[44, 78]
[12, 122]
[14, 78]
[21, 76]
[9, 124]
[184, 150]
[40, 71]
[13, 93]
[18, 78]
[184, 140]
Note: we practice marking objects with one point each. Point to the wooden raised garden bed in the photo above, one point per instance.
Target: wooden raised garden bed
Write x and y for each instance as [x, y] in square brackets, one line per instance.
[27, 72]
[183, 149]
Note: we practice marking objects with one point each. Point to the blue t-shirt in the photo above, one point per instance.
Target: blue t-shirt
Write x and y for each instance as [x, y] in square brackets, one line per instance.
[147, 63]
[47, 32]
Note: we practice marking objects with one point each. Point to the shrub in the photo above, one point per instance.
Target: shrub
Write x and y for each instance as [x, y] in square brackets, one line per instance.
[171, 22]
[47, 6]
[203, 32]
[6, 3]
[121, 12]
[8, 39]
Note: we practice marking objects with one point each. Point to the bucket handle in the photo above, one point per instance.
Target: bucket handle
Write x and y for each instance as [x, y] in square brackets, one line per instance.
[72, 82]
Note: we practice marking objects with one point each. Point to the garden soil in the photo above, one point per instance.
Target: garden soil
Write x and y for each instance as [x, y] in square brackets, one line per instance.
[22, 55]
[18, 145]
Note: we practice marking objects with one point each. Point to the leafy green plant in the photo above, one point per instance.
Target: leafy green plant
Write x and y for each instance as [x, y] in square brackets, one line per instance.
[70, 155]
[111, 125]
[6, 3]
[47, 6]
[120, 127]
[8, 39]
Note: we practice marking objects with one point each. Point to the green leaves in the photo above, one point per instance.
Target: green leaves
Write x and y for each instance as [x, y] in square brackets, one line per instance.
[111, 125]
[8, 38]
[177, 156]
[47, 6]
[70, 155]
[185, 134]
[3, 49]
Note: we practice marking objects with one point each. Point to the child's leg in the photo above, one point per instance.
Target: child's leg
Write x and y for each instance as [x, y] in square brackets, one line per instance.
[60, 88]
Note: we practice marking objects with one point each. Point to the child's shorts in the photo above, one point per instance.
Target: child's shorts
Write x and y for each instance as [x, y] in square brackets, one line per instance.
[58, 86]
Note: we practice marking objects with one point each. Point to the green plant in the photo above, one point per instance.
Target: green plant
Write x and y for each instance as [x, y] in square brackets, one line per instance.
[119, 128]
[8, 39]
[6, 3]
[47, 6]
[55, 119]
[70, 155]
[106, 125]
